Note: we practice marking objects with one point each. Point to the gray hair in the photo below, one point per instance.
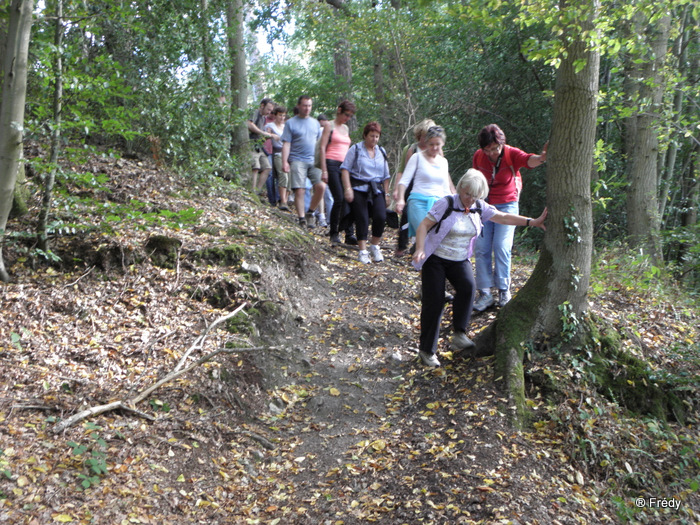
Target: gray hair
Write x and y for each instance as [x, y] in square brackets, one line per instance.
[435, 131]
[475, 183]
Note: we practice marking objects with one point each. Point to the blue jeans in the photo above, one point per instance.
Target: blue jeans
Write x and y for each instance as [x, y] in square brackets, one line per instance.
[496, 239]
[327, 197]
[271, 184]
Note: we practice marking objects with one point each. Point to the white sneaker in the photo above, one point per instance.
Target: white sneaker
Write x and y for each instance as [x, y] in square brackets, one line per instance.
[364, 257]
[429, 359]
[483, 301]
[460, 341]
[321, 219]
[503, 297]
[376, 253]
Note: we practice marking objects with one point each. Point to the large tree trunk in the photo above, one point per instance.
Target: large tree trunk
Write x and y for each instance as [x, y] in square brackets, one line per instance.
[642, 146]
[239, 75]
[559, 283]
[14, 91]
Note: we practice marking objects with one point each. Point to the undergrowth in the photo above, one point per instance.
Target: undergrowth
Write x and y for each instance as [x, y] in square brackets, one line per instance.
[641, 464]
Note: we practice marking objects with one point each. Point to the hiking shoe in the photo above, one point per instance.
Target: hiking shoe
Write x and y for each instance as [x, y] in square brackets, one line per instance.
[335, 239]
[376, 253]
[460, 341]
[301, 221]
[310, 220]
[429, 359]
[283, 207]
[484, 301]
[364, 257]
[350, 240]
[321, 219]
[503, 297]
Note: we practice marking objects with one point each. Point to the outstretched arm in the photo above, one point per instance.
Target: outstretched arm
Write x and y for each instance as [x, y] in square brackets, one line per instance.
[421, 234]
[518, 220]
[538, 160]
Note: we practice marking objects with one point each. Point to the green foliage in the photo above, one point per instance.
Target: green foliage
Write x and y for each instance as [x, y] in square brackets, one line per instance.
[682, 250]
[617, 270]
[159, 406]
[93, 455]
[4, 469]
[570, 323]
[572, 229]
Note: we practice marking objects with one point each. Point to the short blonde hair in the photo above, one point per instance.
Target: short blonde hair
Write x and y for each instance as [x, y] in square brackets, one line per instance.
[475, 183]
[422, 128]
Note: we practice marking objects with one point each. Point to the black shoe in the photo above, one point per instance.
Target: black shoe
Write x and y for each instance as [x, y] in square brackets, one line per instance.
[335, 239]
[351, 240]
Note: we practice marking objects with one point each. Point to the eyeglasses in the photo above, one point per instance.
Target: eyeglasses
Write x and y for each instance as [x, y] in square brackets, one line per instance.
[493, 149]
[436, 129]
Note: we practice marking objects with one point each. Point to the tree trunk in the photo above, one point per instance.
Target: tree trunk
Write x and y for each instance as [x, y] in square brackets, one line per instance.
[42, 224]
[558, 286]
[14, 91]
[206, 52]
[239, 76]
[643, 222]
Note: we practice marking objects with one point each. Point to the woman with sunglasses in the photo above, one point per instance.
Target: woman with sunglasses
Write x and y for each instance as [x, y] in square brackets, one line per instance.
[429, 172]
[335, 143]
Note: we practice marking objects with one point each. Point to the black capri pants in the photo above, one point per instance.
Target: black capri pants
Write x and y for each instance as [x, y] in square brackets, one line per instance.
[366, 206]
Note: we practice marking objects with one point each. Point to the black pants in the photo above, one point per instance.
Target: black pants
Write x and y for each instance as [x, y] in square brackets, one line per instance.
[402, 243]
[436, 271]
[365, 206]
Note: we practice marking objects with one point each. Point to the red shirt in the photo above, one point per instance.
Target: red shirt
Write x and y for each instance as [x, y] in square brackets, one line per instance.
[505, 184]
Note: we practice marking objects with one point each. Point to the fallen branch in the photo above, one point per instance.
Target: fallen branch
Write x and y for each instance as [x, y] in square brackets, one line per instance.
[80, 278]
[199, 342]
[130, 404]
[88, 412]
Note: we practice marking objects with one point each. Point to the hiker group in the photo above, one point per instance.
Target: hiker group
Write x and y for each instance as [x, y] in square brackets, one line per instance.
[346, 187]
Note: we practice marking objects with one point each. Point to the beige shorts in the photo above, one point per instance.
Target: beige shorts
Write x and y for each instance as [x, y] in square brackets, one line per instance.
[259, 160]
[299, 171]
[282, 176]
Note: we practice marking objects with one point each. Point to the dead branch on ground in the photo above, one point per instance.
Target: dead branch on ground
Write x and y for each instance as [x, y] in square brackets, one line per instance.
[130, 404]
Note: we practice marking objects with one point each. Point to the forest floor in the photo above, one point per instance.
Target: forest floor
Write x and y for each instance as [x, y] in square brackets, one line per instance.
[316, 410]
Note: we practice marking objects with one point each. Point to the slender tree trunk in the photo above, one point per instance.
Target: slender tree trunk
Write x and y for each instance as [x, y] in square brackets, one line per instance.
[558, 286]
[42, 225]
[643, 222]
[239, 76]
[14, 91]
[687, 68]
[206, 46]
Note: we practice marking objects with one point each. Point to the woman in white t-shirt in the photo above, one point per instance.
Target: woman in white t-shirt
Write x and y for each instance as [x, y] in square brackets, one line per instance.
[276, 127]
[429, 172]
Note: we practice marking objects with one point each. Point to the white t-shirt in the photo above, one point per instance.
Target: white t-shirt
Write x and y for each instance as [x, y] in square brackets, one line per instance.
[455, 245]
[431, 179]
[272, 127]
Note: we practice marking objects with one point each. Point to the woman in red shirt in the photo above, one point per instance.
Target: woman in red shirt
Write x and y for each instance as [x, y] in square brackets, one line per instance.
[500, 164]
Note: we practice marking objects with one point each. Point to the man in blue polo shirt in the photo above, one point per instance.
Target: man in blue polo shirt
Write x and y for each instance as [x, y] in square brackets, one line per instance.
[299, 138]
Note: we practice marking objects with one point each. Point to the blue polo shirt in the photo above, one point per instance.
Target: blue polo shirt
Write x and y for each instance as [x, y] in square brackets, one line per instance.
[302, 134]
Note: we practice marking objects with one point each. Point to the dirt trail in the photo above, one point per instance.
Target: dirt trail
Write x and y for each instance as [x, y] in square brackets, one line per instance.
[376, 436]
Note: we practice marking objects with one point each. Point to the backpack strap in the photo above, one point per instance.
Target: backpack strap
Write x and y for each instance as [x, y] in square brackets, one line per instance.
[504, 156]
[448, 212]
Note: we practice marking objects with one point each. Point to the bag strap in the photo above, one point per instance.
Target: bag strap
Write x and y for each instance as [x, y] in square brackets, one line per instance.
[448, 212]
